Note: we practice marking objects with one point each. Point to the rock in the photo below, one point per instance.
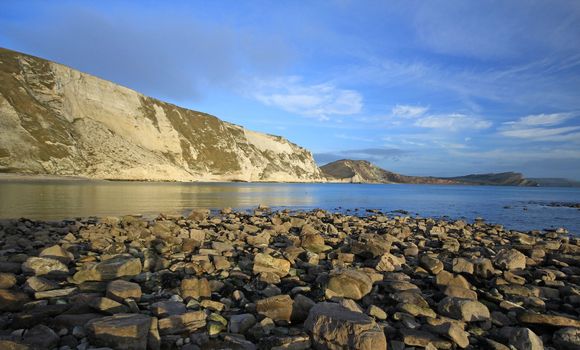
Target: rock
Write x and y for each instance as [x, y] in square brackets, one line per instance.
[262, 239]
[301, 307]
[195, 288]
[44, 266]
[119, 290]
[461, 265]
[483, 268]
[239, 324]
[416, 310]
[56, 293]
[108, 306]
[314, 243]
[12, 300]
[278, 308]
[57, 252]
[434, 266]
[188, 322]
[167, 308]
[376, 312]
[525, 339]
[335, 327]
[349, 283]
[370, 246]
[567, 338]
[510, 259]
[550, 320]
[463, 309]
[199, 214]
[389, 262]
[7, 280]
[13, 345]
[452, 331]
[41, 337]
[413, 337]
[110, 269]
[39, 284]
[122, 331]
[267, 263]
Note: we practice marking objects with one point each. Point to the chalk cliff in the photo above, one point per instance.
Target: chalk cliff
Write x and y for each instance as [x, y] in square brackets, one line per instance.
[59, 121]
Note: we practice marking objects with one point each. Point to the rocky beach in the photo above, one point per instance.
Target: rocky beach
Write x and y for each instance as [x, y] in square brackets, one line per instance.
[286, 280]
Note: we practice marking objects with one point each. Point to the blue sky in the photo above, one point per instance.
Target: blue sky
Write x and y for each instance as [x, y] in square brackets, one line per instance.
[419, 87]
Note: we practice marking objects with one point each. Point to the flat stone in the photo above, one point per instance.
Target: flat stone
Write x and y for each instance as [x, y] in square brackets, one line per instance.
[431, 264]
[56, 293]
[349, 283]
[423, 339]
[389, 262]
[267, 263]
[335, 327]
[461, 265]
[278, 308]
[121, 331]
[551, 320]
[39, 284]
[119, 290]
[185, 323]
[463, 309]
[110, 269]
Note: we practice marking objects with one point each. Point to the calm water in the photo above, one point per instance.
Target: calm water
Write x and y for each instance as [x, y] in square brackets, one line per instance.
[68, 199]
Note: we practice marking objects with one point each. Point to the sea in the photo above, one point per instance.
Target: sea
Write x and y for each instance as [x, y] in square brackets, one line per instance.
[517, 208]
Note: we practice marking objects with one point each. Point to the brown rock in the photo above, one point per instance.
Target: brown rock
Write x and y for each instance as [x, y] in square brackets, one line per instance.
[278, 308]
[195, 288]
[119, 266]
[7, 280]
[511, 259]
[12, 300]
[119, 290]
[463, 309]
[122, 331]
[266, 263]
[349, 283]
[185, 323]
[551, 320]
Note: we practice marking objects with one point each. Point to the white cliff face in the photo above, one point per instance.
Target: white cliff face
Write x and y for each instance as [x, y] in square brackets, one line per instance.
[59, 121]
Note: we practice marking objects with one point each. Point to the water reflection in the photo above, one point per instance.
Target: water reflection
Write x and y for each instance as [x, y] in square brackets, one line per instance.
[511, 206]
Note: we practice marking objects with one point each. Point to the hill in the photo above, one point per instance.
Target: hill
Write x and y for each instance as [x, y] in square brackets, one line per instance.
[58, 121]
[362, 171]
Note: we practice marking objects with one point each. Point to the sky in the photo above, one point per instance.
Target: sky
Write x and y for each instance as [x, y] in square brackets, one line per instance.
[439, 88]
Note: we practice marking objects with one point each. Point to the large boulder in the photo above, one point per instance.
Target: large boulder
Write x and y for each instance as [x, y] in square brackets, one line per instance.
[333, 326]
[119, 266]
[267, 263]
[122, 331]
[349, 283]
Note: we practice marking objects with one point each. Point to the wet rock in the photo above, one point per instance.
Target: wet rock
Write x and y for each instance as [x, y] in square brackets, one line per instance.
[278, 308]
[110, 269]
[122, 331]
[349, 283]
[267, 263]
[335, 327]
[463, 309]
[510, 259]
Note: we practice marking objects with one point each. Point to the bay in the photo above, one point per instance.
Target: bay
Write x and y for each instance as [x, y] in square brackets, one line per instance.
[521, 208]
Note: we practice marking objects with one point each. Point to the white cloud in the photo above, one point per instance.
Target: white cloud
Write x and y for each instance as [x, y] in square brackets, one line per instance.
[542, 119]
[407, 111]
[539, 127]
[293, 95]
[453, 122]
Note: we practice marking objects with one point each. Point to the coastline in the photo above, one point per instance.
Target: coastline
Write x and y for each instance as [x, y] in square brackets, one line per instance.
[283, 278]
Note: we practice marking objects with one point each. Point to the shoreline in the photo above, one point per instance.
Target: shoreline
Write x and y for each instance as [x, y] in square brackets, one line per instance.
[289, 279]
